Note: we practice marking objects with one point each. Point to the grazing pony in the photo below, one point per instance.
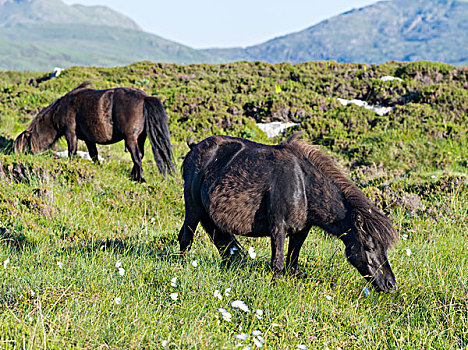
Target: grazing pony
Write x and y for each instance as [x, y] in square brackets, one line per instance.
[103, 117]
[235, 186]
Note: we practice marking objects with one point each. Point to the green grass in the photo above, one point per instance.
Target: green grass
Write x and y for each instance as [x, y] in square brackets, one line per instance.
[65, 224]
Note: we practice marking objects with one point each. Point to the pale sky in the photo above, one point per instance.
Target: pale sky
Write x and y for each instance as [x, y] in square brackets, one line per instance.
[216, 23]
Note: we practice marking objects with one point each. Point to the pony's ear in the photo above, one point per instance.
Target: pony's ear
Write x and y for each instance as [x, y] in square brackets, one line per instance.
[22, 142]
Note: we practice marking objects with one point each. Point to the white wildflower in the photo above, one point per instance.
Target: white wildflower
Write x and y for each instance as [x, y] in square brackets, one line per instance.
[60, 264]
[118, 264]
[194, 263]
[6, 262]
[366, 292]
[256, 332]
[405, 237]
[240, 305]
[218, 295]
[252, 253]
[173, 282]
[328, 297]
[301, 347]
[226, 315]
[121, 271]
[241, 336]
[248, 347]
[233, 250]
[257, 343]
[408, 251]
[174, 296]
[259, 337]
[164, 343]
[227, 292]
[259, 313]
[118, 300]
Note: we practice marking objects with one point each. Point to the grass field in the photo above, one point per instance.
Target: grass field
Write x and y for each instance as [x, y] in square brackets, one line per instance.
[88, 255]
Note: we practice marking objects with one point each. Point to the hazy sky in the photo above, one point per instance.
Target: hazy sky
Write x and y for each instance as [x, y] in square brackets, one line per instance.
[216, 23]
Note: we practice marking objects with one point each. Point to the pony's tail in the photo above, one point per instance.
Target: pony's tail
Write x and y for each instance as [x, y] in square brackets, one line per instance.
[158, 134]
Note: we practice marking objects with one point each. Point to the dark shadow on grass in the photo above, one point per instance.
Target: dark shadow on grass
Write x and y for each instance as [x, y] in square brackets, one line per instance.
[6, 145]
[158, 248]
[16, 241]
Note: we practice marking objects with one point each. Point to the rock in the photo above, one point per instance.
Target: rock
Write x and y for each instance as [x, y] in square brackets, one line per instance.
[389, 78]
[81, 154]
[275, 128]
[379, 109]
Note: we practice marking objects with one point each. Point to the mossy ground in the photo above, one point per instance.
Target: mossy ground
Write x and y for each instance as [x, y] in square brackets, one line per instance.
[65, 224]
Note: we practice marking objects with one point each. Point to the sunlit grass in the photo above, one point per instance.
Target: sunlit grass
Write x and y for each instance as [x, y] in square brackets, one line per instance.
[65, 289]
[90, 259]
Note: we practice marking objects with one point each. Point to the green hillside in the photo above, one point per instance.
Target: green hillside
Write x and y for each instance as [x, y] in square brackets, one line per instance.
[403, 30]
[68, 227]
[63, 45]
[42, 34]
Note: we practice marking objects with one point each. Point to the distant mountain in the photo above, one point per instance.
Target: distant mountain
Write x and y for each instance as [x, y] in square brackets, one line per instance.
[25, 12]
[41, 34]
[404, 30]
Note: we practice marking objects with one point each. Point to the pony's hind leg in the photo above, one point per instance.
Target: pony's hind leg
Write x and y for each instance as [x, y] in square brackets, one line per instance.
[141, 144]
[278, 236]
[187, 231]
[93, 152]
[228, 246]
[131, 145]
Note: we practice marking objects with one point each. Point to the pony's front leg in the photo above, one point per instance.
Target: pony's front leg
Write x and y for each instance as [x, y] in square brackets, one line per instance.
[278, 236]
[72, 142]
[93, 152]
[296, 241]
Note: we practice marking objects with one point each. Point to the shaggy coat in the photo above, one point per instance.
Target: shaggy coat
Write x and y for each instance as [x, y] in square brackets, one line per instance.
[237, 187]
[103, 117]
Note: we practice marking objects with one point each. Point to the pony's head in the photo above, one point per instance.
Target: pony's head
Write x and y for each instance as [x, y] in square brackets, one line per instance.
[26, 142]
[40, 134]
[367, 242]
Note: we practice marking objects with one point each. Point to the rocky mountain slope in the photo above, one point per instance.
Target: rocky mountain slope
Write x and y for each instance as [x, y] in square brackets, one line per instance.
[403, 30]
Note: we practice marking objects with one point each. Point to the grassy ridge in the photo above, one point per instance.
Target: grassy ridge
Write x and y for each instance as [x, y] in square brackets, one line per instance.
[65, 224]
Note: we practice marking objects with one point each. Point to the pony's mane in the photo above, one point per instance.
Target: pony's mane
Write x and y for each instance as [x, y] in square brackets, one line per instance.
[50, 108]
[365, 216]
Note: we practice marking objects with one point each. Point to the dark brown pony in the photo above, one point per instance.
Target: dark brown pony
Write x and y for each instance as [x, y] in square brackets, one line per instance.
[103, 117]
[237, 187]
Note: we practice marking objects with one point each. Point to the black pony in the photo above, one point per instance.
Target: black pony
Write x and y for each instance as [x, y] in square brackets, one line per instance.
[237, 187]
[103, 117]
